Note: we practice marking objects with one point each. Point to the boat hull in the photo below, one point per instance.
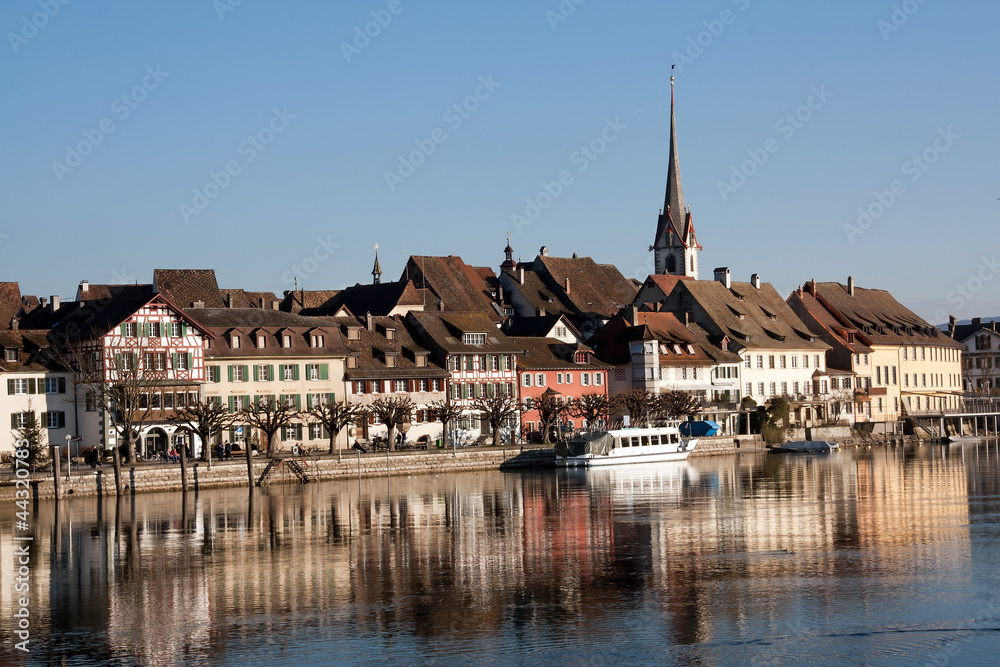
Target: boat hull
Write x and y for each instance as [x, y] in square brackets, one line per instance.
[616, 457]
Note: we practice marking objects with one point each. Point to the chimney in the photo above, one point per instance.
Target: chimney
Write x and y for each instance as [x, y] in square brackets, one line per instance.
[755, 281]
[43, 302]
[850, 285]
[540, 312]
[84, 286]
[722, 276]
[976, 321]
[441, 305]
[13, 323]
[544, 251]
[687, 318]
[54, 303]
[520, 274]
[567, 285]
[368, 320]
[632, 315]
[229, 299]
[575, 256]
[275, 305]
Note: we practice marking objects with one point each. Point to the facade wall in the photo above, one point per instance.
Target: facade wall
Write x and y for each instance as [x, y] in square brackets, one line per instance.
[569, 382]
[54, 410]
[422, 423]
[766, 373]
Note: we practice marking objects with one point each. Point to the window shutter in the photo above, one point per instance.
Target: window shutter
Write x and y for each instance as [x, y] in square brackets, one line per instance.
[232, 429]
[184, 328]
[298, 401]
[173, 360]
[281, 372]
[10, 386]
[13, 420]
[295, 372]
[298, 431]
[230, 404]
[45, 419]
[230, 370]
[62, 385]
[256, 373]
[324, 371]
[331, 397]
[326, 433]
[270, 372]
[31, 418]
[121, 328]
[246, 371]
[190, 363]
[31, 385]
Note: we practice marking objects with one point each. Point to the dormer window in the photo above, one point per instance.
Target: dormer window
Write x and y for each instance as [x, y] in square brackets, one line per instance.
[690, 349]
[261, 341]
[317, 340]
[352, 362]
[390, 361]
[354, 333]
[580, 357]
[10, 355]
[421, 360]
[234, 341]
[390, 334]
[474, 339]
[286, 341]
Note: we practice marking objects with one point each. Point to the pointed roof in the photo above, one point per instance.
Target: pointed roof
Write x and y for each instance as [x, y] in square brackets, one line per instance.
[674, 215]
[377, 269]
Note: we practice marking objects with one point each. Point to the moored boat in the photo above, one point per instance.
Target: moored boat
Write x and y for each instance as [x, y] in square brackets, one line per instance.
[804, 447]
[627, 445]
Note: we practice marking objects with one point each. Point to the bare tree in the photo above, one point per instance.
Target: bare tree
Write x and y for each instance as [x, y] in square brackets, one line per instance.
[593, 408]
[391, 411]
[335, 416]
[839, 401]
[446, 412]
[497, 409]
[675, 405]
[206, 418]
[550, 407]
[268, 416]
[635, 402]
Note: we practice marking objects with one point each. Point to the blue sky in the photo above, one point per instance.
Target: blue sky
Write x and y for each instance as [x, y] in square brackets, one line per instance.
[309, 118]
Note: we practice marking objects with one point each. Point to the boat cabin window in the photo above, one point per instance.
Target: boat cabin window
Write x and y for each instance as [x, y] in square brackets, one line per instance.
[654, 439]
[635, 441]
[645, 441]
[673, 438]
[619, 443]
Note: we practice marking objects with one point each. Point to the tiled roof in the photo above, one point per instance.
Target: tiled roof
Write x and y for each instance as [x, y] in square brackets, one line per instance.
[826, 324]
[461, 288]
[378, 299]
[444, 330]
[664, 282]
[964, 332]
[10, 303]
[593, 287]
[551, 354]
[28, 344]
[612, 340]
[97, 292]
[750, 317]
[879, 317]
[186, 286]
[295, 300]
[271, 323]
[536, 327]
[373, 348]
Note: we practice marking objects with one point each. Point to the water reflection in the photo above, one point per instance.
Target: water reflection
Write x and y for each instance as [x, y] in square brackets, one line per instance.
[765, 558]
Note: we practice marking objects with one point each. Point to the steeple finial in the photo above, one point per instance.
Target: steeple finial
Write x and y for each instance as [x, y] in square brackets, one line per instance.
[377, 269]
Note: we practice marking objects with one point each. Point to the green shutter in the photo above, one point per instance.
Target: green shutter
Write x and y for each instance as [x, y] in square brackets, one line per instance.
[270, 371]
[122, 329]
[62, 385]
[324, 371]
[298, 431]
[230, 403]
[31, 418]
[184, 329]
[232, 432]
[295, 372]
[45, 419]
[13, 420]
[10, 386]
[246, 371]
[326, 433]
[230, 369]
[331, 397]
[190, 360]
[31, 385]
[173, 360]
[281, 372]
[256, 373]
[298, 401]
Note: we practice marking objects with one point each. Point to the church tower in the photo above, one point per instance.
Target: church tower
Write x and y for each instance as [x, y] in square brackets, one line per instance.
[675, 249]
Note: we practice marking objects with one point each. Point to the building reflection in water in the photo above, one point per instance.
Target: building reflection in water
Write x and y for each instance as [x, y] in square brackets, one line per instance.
[437, 565]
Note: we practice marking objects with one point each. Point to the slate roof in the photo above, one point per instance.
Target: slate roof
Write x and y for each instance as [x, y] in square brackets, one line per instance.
[461, 288]
[750, 317]
[443, 331]
[551, 354]
[880, 318]
[373, 347]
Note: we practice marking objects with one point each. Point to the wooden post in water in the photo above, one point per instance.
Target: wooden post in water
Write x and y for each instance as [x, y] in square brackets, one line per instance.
[55, 468]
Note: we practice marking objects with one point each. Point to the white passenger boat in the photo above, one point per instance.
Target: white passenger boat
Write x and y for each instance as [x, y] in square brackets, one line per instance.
[627, 445]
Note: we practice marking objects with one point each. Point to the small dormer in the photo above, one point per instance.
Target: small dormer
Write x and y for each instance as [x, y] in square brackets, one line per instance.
[317, 337]
[353, 331]
[352, 360]
[233, 336]
[259, 338]
[11, 354]
[474, 338]
[581, 357]
[391, 359]
[420, 359]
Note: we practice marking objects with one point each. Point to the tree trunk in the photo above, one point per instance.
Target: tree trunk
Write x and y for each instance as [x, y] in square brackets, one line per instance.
[184, 477]
[117, 456]
[206, 449]
[390, 444]
[249, 465]
[496, 434]
[270, 444]
[130, 448]
[444, 435]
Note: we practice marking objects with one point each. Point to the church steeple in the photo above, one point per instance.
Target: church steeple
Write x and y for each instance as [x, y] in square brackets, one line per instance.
[377, 269]
[675, 247]
[508, 263]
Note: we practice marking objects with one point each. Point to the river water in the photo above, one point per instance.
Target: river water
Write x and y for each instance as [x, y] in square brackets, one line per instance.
[864, 557]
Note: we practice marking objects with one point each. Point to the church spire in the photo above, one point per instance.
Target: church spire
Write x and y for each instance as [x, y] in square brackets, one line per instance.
[377, 269]
[676, 248]
[508, 263]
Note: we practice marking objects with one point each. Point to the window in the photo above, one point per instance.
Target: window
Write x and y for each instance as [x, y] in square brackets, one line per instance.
[174, 329]
[770, 361]
[400, 385]
[22, 419]
[526, 379]
[55, 385]
[286, 340]
[760, 388]
[795, 361]
[261, 341]
[569, 378]
[894, 376]
[234, 342]
[168, 400]
[904, 353]
[795, 387]
[312, 371]
[749, 388]
[156, 403]
[781, 362]
[559, 378]
[747, 362]
[318, 340]
[10, 355]
[130, 330]
[494, 363]
[181, 363]
[773, 388]
[560, 332]
[237, 373]
[784, 388]
[823, 387]
[506, 362]
[599, 379]
[923, 379]
[540, 379]
[760, 362]
[213, 374]
[816, 363]
[923, 353]
[289, 372]
[585, 379]
[473, 339]
[878, 375]
[436, 385]
[353, 333]
[316, 432]
[20, 386]
[55, 419]
[359, 386]
[469, 363]
[91, 402]
[805, 361]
